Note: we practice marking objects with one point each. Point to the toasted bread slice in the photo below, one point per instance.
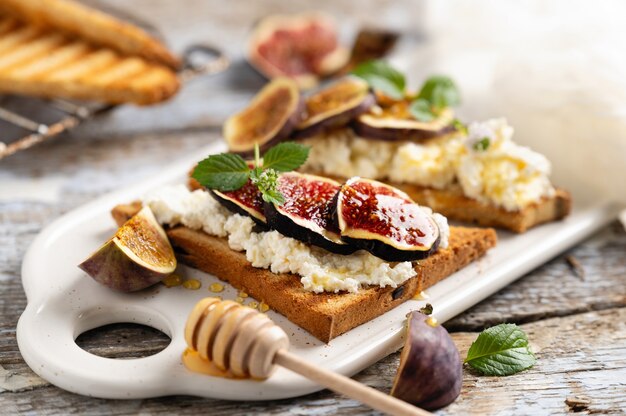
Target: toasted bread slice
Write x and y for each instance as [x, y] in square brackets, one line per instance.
[324, 315]
[453, 204]
[92, 25]
[45, 63]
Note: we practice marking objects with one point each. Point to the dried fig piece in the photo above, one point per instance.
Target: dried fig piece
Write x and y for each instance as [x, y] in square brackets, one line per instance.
[307, 212]
[385, 221]
[136, 257]
[430, 373]
[335, 106]
[271, 117]
[303, 47]
[394, 122]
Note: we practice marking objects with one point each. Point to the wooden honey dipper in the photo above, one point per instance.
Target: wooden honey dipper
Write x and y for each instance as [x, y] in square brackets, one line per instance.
[247, 343]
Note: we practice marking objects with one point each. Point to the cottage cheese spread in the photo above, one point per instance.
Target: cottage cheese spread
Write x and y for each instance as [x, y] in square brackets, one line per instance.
[500, 172]
[320, 270]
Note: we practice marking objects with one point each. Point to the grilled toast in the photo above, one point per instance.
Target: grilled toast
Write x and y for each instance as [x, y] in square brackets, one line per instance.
[324, 315]
[40, 61]
[97, 27]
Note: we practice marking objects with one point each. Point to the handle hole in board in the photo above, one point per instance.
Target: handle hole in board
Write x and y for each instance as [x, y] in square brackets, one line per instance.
[123, 340]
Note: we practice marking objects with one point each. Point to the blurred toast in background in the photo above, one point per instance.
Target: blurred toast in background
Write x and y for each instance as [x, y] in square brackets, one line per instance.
[58, 48]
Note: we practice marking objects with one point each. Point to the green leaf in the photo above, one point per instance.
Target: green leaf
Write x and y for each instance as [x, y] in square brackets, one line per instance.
[224, 172]
[420, 110]
[285, 157]
[458, 125]
[440, 91]
[482, 144]
[501, 350]
[382, 77]
[266, 180]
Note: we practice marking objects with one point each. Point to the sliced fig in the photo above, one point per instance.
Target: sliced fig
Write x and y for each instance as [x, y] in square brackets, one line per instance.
[246, 200]
[385, 221]
[335, 106]
[307, 212]
[271, 117]
[430, 373]
[137, 256]
[395, 123]
[303, 47]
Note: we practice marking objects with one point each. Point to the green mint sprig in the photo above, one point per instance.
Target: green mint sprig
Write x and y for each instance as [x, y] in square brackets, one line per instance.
[437, 92]
[501, 350]
[482, 144]
[229, 172]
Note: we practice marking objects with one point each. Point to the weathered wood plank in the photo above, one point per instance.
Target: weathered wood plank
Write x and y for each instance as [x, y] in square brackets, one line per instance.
[580, 355]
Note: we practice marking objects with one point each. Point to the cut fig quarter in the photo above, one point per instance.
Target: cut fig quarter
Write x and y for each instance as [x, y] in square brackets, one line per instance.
[389, 126]
[307, 212]
[303, 47]
[385, 221]
[269, 118]
[335, 106]
[136, 257]
[430, 373]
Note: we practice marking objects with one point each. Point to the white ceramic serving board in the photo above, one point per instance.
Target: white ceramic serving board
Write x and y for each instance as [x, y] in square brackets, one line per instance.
[64, 302]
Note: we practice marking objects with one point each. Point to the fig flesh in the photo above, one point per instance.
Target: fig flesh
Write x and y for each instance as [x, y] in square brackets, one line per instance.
[335, 106]
[430, 373]
[269, 118]
[303, 47]
[385, 221]
[246, 200]
[307, 212]
[395, 123]
[136, 257]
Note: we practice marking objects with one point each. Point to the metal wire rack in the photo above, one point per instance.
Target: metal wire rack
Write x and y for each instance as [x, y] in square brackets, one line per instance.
[20, 129]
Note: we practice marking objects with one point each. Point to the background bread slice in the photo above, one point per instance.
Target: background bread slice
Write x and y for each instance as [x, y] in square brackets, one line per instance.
[46, 63]
[454, 205]
[96, 26]
[325, 315]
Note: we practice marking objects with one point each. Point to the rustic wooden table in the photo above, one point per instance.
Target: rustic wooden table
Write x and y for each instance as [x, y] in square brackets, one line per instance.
[573, 308]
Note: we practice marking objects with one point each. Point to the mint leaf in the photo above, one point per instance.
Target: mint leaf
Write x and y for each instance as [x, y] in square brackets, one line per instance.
[482, 144]
[382, 77]
[224, 172]
[266, 180]
[440, 91]
[420, 110]
[285, 157]
[501, 350]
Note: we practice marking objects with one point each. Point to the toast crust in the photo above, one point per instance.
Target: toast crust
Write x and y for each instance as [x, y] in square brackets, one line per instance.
[45, 63]
[324, 315]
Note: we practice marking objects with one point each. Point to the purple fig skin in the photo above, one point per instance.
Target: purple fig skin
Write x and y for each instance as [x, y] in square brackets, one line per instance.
[283, 134]
[430, 372]
[114, 269]
[337, 120]
[367, 131]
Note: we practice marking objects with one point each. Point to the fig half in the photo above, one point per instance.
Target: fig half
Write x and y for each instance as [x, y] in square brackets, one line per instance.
[385, 221]
[271, 117]
[307, 212]
[136, 257]
[430, 373]
[335, 106]
[303, 47]
[395, 123]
